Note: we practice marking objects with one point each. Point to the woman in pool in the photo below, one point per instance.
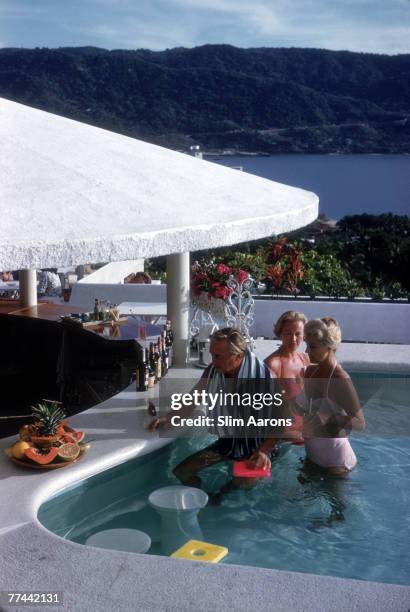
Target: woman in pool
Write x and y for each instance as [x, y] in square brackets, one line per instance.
[331, 407]
[289, 364]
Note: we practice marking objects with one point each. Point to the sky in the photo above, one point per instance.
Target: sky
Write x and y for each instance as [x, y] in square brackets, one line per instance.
[376, 26]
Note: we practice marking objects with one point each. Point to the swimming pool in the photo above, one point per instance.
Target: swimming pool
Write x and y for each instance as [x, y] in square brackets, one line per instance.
[356, 528]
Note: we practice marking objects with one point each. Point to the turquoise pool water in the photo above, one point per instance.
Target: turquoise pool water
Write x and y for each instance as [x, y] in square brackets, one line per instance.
[354, 528]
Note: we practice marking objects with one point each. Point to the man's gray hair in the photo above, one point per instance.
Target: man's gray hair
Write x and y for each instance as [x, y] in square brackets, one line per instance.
[234, 337]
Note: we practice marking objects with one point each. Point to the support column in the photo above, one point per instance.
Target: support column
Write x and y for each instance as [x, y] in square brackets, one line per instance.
[28, 288]
[178, 300]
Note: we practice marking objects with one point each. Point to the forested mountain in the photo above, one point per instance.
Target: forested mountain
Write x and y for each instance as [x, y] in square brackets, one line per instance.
[222, 97]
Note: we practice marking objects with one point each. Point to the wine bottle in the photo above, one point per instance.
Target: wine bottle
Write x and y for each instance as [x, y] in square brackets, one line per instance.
[142, 373]
[151, 367]
[164, 356]
[157, 357]
[96, 309]
[169, 340]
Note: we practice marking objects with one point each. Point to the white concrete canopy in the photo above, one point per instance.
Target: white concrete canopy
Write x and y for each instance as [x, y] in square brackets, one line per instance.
[72, 193]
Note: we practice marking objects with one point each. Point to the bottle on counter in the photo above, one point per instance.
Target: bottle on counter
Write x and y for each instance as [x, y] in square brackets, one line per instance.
[164, 355]
[142, 381]
[66, 290]
[151, 367]
[169, 341]
[158, 368]
[97, 309]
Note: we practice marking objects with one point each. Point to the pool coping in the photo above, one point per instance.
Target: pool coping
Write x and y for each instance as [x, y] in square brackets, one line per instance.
[32, 558]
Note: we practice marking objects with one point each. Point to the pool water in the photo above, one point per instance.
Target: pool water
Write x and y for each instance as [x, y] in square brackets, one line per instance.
[357, 527]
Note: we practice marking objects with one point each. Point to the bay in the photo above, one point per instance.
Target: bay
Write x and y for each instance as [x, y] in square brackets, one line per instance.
[345, 184]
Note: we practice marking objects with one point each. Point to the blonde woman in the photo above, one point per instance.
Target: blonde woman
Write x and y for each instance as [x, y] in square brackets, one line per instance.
[331, 407]
[288, 364]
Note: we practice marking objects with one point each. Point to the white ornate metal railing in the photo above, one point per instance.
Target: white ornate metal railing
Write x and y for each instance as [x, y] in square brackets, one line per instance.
[236, 311]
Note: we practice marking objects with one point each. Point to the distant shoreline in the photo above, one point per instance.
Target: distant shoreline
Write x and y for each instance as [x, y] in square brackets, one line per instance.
[225, 153]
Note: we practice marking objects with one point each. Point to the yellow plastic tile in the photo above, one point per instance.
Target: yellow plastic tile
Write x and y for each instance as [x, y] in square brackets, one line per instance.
[194, 550]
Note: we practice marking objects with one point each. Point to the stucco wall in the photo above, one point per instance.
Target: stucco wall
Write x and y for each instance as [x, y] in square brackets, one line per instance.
[114, 272]
[360, 322]
[84, 294]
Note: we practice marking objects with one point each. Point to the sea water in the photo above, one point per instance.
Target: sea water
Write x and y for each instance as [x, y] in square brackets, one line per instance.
[345, 184]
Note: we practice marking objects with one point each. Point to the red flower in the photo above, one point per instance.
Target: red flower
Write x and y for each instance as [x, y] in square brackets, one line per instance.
[222, 292]
[223, 269]
[242, 276]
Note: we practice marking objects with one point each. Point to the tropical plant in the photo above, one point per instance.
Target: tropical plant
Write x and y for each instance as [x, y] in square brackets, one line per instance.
[396, 291]
[324, 275]
[285, 267]
[377, 291]
[47, 416]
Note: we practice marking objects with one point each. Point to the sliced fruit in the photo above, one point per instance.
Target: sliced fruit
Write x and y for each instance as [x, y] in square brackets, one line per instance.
[73, 436]
[41, 455]
[44, 441]
[18, 449]
[25, 432]
[69, 451]
[78, 436]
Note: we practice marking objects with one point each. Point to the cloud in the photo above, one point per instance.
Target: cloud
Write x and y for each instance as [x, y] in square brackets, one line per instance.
[358, 25]
[260, 14]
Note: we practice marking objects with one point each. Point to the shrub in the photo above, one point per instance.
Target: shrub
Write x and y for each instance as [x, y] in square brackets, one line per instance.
[324, 275]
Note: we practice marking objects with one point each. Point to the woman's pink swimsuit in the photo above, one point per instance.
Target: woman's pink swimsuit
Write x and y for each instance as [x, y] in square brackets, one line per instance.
[329, 452]
[293, 388]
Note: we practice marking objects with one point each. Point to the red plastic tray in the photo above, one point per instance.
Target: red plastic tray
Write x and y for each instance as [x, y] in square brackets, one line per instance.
[241, 470]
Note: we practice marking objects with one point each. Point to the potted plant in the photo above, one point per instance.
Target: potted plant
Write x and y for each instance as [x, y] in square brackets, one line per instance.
[209, 282]
[48, 416]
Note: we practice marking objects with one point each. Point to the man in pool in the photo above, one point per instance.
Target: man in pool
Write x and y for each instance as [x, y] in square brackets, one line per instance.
[233, 364]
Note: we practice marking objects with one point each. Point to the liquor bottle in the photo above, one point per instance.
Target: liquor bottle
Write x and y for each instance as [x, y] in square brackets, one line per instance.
[157, 357]
[169, 340]
[66, 290]
[169, 334]
[142, 373]
[164, 356]
[151, 367]
[97, 309]
[146, 369]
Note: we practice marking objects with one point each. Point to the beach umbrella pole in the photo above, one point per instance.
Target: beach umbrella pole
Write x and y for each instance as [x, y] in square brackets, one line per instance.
[178, 299]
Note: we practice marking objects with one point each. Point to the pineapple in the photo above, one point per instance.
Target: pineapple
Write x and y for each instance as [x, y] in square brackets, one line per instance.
[47, 415]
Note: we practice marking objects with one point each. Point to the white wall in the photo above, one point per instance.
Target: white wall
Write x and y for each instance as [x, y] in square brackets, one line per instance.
[114, 272]
[363, 322]
[84, 294]
[360, 322]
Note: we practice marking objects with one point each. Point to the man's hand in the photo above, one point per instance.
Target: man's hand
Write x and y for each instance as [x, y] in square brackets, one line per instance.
[259, 459]
[157, 423]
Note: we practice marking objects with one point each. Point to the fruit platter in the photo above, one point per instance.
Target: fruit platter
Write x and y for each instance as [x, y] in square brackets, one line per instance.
[49, 442]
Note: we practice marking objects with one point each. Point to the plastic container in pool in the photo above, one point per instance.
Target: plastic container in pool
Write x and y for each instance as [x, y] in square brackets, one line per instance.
[127, 540]
[178, 507]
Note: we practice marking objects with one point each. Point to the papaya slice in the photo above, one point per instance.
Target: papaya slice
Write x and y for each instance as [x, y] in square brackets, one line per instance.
[41, 455]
